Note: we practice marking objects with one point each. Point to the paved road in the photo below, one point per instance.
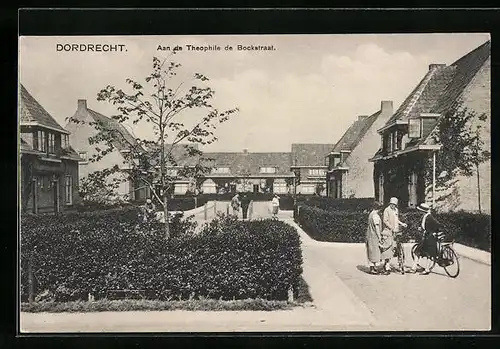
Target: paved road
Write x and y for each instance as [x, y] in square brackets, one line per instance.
[346, 298]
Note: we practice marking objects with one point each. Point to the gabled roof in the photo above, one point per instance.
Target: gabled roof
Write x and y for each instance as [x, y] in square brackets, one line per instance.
[179, 153]
[32, 113]
[245, 163]
[310, 154]
[111, 124]
[355, 133]
[442, 86]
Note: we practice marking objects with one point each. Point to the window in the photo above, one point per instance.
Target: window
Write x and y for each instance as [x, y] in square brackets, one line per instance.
[307, 189]
[172, 172]
[68, 190]
[65, 141]
[180, 188]
[83, 155]
[414, 128]
[220, 170]
[40, 141]
[52, 143]
[268, 170]
[209, 187]
[336, 161]
[317, 172]
[395, 140]
[280, 188]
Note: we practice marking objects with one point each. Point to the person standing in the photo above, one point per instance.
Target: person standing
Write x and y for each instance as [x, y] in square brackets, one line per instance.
[391, 225]
[245, 202]
[429, 251]
[235, 204]
[373, 237]
[275, 204]
[148, 211]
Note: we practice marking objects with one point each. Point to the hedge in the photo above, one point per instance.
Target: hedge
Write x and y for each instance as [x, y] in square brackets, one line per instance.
[228, 259]
[332, 204]
[470, 229]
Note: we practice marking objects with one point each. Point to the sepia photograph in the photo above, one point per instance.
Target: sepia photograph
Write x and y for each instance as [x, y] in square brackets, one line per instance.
[254, 183]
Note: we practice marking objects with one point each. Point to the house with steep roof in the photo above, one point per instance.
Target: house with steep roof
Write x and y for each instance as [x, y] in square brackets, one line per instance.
[309, 162]
[246, 171]
[48, 163]
[81, 126]
[350, 174]
[408, 148]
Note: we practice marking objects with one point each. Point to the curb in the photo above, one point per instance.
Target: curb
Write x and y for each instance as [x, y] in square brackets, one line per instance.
[473, 253]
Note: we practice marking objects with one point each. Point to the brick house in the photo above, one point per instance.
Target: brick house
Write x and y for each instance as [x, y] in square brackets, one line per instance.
[404, 160]
[246, 171]
[310, 161]
[48, 164]
[350, 174]
[79, 138]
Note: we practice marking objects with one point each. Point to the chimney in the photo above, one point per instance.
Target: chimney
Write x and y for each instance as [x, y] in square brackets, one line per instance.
[82, 104]
[436, 66]
[245, 151]
[362, 117]
[386, 107]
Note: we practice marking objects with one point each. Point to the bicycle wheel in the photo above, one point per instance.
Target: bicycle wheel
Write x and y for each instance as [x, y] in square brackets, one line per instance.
[401, 258]
[452, 268]
[414, 251]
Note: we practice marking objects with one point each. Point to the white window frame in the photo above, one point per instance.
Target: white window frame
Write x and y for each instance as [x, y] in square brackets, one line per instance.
[65, 141]
[68, 190]
[307, 189]
[268, 170]
[221, 170]
[51, 142]
[84, 156]
[413, 131]
[317, 172]
[179, 186]
[172, 172]
[41, 145]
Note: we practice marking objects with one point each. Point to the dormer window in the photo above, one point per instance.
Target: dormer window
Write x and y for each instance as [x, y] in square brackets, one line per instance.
[414, 128]
[40, 141]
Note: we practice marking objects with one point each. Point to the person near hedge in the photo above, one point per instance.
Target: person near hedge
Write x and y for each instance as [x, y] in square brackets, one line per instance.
[235, 204]
[275, 203]
[245, 203]
[429, 251]
[373, 237]
[148, 211]
[391, 225]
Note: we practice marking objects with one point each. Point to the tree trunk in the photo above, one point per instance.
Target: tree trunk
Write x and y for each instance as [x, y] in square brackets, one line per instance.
[165, 213]
[478, 188]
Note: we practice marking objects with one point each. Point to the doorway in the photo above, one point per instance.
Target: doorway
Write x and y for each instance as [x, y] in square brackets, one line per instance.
[55, 191]
[255, 188]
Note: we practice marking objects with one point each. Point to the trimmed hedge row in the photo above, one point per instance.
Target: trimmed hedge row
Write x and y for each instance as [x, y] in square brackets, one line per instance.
[73, 255]
[470, 229]
[331, 204]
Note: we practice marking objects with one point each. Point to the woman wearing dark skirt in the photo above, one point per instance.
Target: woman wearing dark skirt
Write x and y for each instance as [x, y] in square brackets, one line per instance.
[429, 251]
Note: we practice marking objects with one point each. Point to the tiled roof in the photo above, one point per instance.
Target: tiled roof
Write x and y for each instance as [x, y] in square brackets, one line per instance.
[179, 153]
[355, 133]
[120, 144]
[310, 154]
[31, 111]
[249, 163]
[442, 86]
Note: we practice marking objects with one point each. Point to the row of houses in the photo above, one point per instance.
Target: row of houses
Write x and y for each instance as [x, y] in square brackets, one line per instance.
[380, 155]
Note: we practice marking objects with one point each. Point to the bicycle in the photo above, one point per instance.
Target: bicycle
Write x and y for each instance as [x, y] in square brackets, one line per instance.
[446, 257]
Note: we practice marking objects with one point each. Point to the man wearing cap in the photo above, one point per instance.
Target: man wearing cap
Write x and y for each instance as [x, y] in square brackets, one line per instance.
[431, 227]
[148, 210]
[391, 227]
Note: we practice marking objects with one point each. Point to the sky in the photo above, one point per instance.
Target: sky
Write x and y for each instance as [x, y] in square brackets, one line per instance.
[309, 89]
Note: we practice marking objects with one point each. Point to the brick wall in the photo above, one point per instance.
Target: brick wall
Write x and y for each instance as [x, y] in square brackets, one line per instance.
[464, 193]
[359, 179]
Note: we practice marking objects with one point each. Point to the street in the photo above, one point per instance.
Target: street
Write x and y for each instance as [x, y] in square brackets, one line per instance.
[345, 298]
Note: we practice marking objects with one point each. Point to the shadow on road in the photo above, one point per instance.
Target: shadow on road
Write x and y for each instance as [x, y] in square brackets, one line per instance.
[364, 269]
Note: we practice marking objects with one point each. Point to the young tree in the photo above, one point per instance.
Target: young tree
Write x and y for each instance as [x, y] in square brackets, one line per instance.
[181, 116]
[462, 149]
